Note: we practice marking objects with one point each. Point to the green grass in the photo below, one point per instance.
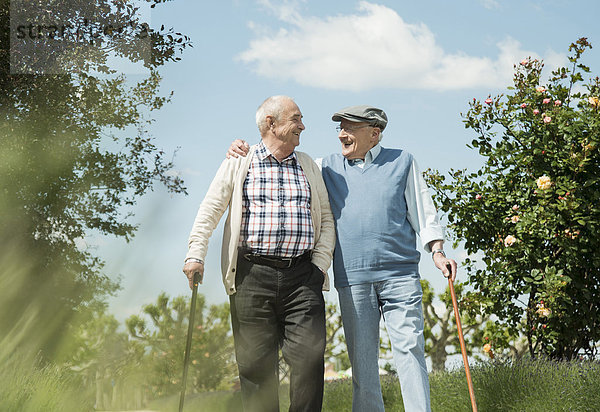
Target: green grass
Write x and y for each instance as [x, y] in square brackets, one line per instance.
[536, 386]
[26, 386]
[218, 401]
[523, 386]
[526, 386]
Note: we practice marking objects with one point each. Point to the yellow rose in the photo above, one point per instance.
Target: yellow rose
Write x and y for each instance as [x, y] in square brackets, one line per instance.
[594, 101]
[543, 311]
[544, 182]
[515, 219]
[487, 348]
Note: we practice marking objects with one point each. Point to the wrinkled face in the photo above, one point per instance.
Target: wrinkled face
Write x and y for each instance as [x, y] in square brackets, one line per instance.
[289, 125]
[357, 138]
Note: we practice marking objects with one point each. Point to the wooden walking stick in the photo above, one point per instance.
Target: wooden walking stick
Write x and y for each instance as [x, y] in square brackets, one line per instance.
[188, 344]
[463, 349]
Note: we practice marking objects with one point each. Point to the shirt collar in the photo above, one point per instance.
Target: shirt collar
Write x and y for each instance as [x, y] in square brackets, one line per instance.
[369, 157]
[262, 151]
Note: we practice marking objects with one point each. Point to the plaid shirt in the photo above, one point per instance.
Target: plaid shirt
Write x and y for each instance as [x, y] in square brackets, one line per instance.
[276, 217]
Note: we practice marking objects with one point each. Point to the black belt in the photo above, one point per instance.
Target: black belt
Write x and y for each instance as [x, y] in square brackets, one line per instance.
[275, 261]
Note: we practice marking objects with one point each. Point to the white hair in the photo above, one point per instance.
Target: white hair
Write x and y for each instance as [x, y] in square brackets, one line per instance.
[272, 106]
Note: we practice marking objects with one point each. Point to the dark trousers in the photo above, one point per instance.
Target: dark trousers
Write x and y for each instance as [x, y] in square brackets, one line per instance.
[275, 308]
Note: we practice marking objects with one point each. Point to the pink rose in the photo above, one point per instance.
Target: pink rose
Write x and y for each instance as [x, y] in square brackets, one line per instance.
[488, 101]
[524, 62]
[547, 119]
[540, 89]
[478, 197]
[536, 111]
[557, 102]
[546, 101]
[515, 207]
[523, 105]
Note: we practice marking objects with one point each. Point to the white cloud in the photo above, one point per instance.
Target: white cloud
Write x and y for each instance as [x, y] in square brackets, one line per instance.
[490, 4]
[373, 48]
[285, 10]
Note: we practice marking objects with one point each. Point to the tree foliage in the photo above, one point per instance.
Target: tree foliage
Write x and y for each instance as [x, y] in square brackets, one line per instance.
[76, 155]
[212, 364]
[529, 217]
[106, 361]
[335, 344]
[440, 332]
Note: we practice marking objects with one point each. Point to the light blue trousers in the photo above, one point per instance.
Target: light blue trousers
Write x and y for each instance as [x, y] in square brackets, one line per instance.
[399, 301]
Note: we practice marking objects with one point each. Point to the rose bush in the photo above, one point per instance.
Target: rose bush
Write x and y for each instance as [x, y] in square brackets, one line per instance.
[537, 215]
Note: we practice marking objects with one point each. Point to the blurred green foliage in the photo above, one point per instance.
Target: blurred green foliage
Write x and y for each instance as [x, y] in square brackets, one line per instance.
[75, 155]
[212, 363]
[28, 385]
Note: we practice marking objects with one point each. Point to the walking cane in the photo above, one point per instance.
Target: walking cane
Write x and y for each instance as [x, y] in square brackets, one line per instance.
[188, 343]
[462, 345]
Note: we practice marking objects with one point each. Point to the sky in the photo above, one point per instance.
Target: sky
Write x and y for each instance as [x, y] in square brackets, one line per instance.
[420, 61]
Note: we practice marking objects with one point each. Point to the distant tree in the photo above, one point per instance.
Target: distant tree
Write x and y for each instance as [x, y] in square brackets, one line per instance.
[212, 364]
[441, 334]
[106, 359]
[484, 337]
[533, 208]
[75, 156]
[335, 349]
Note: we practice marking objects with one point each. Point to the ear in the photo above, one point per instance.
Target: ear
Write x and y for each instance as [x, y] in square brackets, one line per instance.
[270, 120]
[375, 134]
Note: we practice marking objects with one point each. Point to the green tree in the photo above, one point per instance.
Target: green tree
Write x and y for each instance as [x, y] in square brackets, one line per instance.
[484, 337]
[533, 207]
[335, 348]
[440, 332]
[76, 155]
[212, 363]
[106, 359]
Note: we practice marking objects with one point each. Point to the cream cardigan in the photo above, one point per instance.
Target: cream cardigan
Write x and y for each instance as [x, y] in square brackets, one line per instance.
[226, 191]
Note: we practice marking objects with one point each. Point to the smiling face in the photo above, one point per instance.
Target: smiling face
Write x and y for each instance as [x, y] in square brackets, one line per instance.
[357, 138]
[288, 125]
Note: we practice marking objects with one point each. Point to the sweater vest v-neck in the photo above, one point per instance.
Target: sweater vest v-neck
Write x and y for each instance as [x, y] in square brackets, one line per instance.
[375, 240]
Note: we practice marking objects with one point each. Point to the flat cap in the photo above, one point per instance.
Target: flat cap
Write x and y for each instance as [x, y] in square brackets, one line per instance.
[362, 113]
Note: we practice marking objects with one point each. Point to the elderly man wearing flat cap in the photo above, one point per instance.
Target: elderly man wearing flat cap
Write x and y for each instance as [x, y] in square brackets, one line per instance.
[380, 203]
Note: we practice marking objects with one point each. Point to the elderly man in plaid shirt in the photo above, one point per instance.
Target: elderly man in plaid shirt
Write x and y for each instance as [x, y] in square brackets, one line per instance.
[277, 246]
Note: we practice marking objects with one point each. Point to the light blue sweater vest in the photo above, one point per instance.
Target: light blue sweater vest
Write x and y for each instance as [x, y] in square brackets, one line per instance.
[375, 240]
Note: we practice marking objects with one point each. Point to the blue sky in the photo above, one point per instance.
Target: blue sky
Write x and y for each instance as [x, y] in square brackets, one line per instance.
[422, 62]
